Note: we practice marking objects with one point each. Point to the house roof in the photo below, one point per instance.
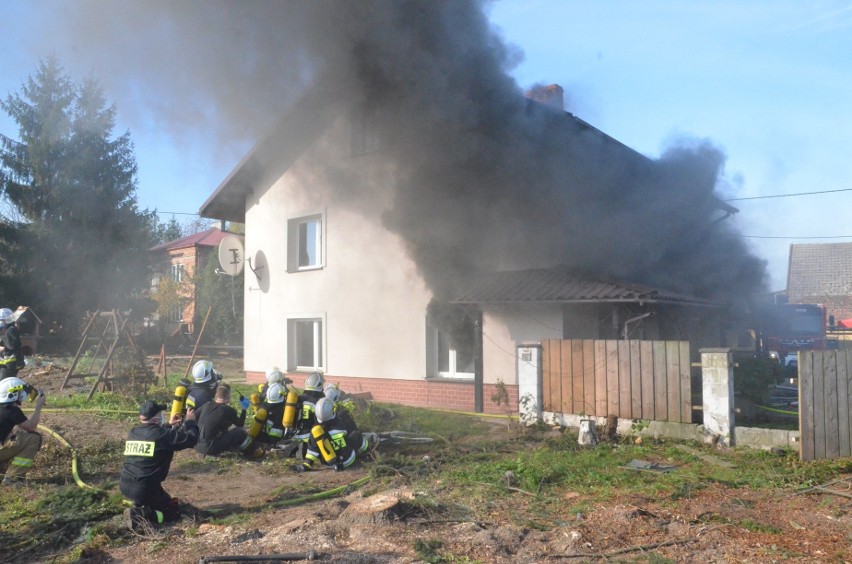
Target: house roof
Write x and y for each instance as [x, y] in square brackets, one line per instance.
[562, 285]
[207, 238]
[820, 269]
[301, 125]
[270, 158]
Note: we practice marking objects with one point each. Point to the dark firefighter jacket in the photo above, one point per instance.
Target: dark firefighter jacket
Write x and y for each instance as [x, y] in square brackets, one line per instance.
[149, 450]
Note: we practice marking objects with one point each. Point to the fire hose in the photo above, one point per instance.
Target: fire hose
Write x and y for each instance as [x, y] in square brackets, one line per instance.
[310, 555]
[74, 471]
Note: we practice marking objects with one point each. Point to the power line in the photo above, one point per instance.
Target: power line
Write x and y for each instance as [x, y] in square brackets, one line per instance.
[782, 237]
[788, 195]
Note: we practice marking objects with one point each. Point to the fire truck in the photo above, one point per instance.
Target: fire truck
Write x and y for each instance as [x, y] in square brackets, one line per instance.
[789, 328]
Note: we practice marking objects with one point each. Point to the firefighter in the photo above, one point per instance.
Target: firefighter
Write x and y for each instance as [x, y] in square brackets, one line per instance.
[12, 358]
[306, 417]
[148, 454]
[205, 379]
[273, 376]
[221, 429]
[341, 409]
[273, 430]
[334, 442]
[20, 447]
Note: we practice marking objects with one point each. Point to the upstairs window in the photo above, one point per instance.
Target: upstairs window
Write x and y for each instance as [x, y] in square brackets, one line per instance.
[305, 243]
[177, 272]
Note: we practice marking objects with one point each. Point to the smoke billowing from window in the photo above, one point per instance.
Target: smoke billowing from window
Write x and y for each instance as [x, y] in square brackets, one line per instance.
[484, 179]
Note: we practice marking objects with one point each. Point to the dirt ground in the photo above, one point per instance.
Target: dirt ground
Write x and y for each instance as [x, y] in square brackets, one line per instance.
[703, 525]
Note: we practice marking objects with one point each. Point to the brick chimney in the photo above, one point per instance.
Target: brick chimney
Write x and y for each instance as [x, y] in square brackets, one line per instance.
[549, 95]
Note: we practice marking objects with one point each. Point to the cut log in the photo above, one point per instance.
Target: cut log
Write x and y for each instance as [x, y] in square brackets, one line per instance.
[378, 509]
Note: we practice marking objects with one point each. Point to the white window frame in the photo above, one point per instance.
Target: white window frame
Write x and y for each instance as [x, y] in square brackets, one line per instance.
[295, 242]
[176, 272]
[452, 358]
[319, 333]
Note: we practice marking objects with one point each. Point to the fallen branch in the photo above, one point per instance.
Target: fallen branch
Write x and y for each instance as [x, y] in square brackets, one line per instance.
[638, 548]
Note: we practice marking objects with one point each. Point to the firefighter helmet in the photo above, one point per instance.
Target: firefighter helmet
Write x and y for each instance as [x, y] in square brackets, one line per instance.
[332, 392]
[202, 371]
[12, 389]
[274, 376]
[314, 382]
[6, 315]
[325, 410]
[275, 393]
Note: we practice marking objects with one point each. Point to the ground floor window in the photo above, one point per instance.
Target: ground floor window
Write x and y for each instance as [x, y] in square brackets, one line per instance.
[305, 343]
[454, 361]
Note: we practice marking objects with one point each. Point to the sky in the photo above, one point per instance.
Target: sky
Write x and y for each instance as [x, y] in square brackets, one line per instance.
[767, 82]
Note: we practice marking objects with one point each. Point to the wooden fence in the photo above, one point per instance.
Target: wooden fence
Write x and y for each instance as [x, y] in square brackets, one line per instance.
[631, 379]
[825, 402]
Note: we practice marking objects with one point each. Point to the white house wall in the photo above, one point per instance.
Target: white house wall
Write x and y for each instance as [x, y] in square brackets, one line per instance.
[368, 291]
[504, 327]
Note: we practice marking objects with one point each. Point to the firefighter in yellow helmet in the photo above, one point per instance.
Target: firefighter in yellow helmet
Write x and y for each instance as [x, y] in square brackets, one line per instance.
[334, 442]
[18, 447]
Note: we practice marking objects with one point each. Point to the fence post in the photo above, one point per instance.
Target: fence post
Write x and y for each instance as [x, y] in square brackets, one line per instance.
[717, 384]
[528, 358]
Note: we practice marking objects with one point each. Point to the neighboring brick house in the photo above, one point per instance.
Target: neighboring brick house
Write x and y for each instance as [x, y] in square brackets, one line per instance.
[180, 260]
[330, 288]
[821, 273]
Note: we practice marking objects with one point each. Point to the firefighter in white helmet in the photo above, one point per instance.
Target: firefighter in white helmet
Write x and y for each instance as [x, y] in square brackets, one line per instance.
[19, 441]
[306, 417]
[334, 442]
[276, 393]
[205, 379]
[11, 358]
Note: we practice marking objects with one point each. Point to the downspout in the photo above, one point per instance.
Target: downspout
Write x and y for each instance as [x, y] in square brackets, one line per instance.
[626, 331]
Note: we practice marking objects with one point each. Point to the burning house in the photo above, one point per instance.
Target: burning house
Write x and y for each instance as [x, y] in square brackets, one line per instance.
[380, 206]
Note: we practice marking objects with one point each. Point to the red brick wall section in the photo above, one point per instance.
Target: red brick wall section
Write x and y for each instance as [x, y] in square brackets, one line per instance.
[437, 394]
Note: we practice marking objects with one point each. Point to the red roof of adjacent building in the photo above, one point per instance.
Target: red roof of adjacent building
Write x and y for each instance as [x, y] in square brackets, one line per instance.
[207, 238]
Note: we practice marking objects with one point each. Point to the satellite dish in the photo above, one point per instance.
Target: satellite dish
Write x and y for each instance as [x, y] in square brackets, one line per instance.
[231, 255]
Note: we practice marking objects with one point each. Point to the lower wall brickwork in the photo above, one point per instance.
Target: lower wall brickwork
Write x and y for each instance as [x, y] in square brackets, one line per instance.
[436, 394]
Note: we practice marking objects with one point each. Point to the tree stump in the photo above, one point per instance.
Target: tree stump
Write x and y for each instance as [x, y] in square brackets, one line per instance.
[378, 509]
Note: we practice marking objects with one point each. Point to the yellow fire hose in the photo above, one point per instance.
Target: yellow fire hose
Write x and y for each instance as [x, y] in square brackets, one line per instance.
[285, 503]
[74, 471]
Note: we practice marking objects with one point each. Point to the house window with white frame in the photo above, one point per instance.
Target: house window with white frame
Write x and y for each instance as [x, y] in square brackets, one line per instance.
[305, 243]
[454, 360]
[177, 272]
[305, 343]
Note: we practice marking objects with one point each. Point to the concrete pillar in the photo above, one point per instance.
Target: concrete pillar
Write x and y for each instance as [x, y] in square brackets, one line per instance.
[717, 377]
[529, 383]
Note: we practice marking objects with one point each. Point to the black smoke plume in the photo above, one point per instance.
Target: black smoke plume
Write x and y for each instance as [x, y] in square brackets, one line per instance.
[484, 179]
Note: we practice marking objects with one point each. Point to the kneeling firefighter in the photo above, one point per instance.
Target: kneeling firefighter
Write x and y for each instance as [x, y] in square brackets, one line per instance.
[148, 454]
[205, 379]
[268, 424]
[304, 408]
[334, 442]
[12, 356]
[221, 427]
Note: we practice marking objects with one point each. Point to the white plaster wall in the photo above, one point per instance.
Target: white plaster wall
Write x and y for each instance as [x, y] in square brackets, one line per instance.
[507, 326]
[371, 296]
